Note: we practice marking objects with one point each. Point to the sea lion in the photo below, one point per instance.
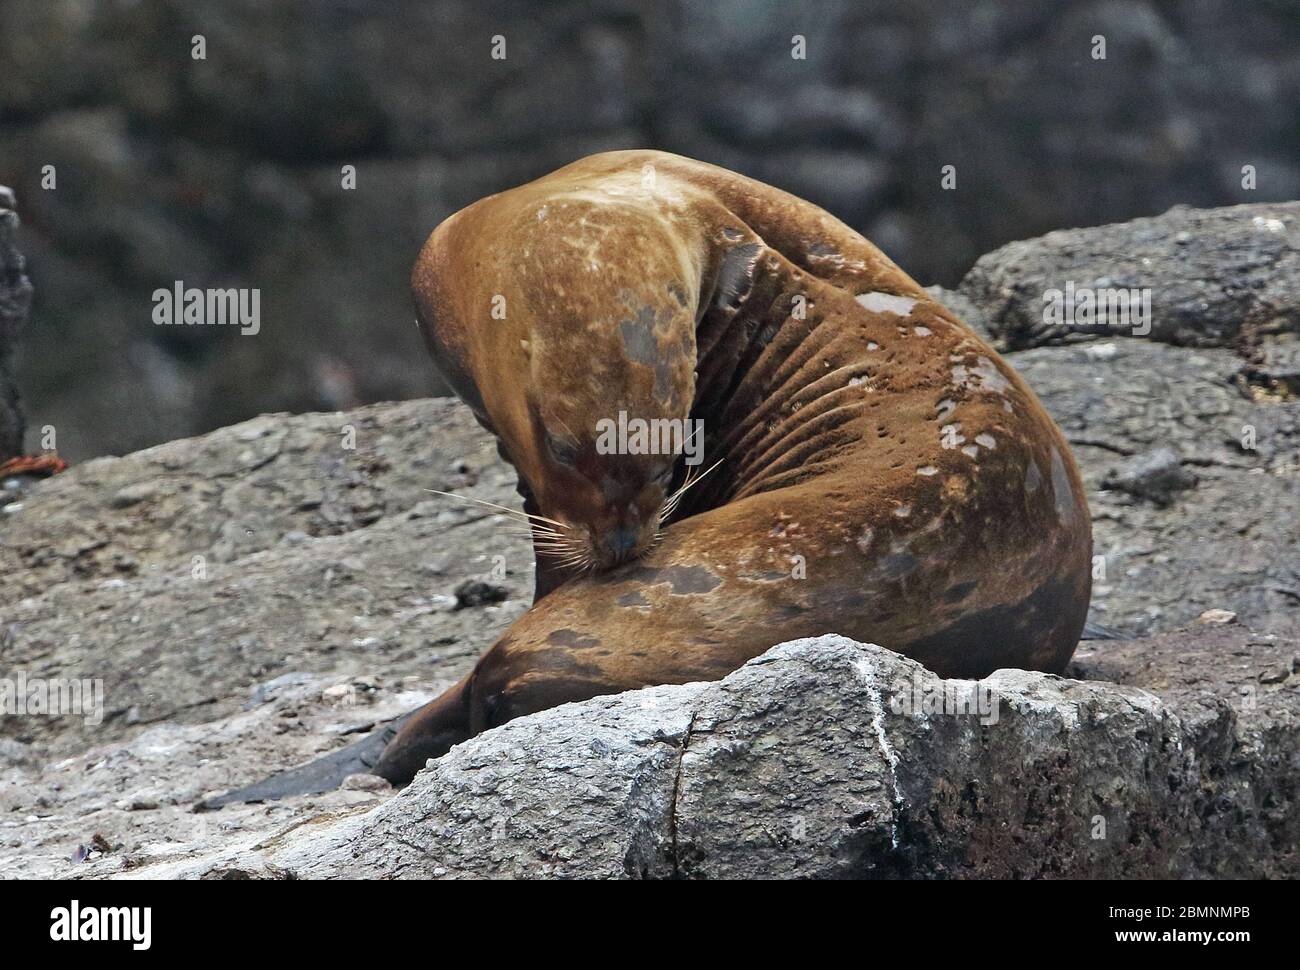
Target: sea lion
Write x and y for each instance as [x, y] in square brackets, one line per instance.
[880, 471]
[883, 473]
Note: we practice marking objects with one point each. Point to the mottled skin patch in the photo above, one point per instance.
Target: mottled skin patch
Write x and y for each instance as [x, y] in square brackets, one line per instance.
[639, 337]
[827, 422]
[769, 576]
[566, 637]
[641, 344]
[682, 580]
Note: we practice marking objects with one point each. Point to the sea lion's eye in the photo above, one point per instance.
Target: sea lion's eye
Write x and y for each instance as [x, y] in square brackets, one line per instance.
[665, 478]
[562, 450]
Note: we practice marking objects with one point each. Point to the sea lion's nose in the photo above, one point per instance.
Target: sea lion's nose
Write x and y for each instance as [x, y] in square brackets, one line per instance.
[620, 542]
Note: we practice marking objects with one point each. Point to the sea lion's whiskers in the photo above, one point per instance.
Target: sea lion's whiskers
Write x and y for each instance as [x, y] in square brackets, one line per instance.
[560, 558]
[569, 430]
[553, 547]
[671, 505]
[560, 545]
[536, 533]
[558, 542]
[527, 516]
[578, 561]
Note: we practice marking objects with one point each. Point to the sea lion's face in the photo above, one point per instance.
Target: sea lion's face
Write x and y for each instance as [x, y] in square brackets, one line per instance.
[593, 363]
[602, 427]
[606, 502]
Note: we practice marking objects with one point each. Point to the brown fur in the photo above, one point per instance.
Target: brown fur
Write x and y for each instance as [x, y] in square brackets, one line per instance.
[934, 506]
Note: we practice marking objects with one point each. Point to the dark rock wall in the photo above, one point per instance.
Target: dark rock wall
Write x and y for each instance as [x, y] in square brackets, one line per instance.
[226, 171]
[1227, 277]
[15, 301]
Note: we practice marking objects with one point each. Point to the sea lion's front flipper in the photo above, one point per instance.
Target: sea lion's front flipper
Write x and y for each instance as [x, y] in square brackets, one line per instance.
[324, 774]
[428, 733]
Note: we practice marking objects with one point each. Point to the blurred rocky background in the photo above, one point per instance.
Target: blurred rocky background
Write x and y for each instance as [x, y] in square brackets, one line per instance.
[136, 165]
[15, 302]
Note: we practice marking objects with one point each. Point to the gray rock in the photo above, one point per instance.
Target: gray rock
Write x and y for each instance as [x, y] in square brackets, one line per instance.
[365, 782]
[1230, 541]
[174, 555]
[475, 592]
[667, 781]
[1213, 278]
[15, 752]
[200, 567]
[1154, 475]
[1276, 374]
[825, 758]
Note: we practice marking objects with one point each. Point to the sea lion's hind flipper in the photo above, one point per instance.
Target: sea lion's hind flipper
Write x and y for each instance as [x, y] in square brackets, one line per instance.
[326, 773]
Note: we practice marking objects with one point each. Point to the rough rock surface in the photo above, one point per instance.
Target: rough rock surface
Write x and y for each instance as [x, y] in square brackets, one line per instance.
[1230, 541]
[15, 301]
[188, 573]
[1156, 475]
[1217, 277]
[227, 171]
[1278, 369]
[822, 758]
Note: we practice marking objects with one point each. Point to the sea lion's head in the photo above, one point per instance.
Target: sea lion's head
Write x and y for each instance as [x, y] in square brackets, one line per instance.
[606, 427]
[565, 314]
